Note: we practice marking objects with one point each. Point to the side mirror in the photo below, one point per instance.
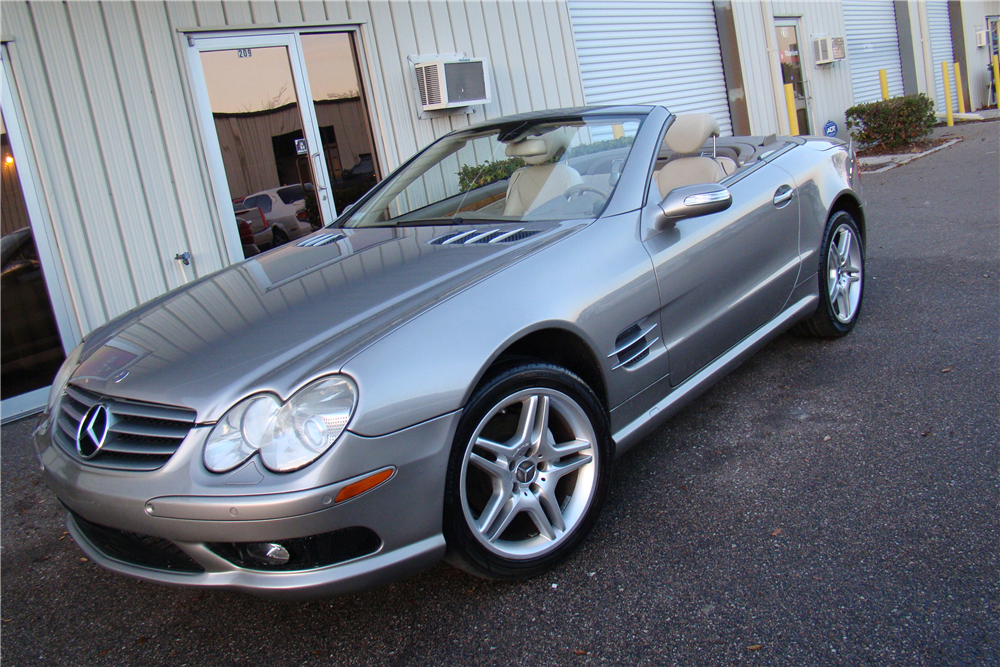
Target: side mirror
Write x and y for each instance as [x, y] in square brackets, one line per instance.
[692, 201]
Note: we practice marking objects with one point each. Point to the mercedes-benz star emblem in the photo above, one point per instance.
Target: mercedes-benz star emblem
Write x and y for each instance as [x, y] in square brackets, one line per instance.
[93, 431]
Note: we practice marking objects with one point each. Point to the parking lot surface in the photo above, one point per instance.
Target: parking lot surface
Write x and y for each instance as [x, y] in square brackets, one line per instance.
[829, 503]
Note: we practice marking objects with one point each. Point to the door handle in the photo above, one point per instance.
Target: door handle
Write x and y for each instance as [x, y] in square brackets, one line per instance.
[316, 166]
[783, 195]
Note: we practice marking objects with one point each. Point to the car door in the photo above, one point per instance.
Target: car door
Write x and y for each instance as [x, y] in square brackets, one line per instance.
[723, 275]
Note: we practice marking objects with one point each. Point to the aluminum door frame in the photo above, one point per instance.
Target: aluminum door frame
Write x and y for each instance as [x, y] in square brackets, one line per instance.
[307, 112]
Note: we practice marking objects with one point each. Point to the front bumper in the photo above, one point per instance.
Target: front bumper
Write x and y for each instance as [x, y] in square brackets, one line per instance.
[192, 510]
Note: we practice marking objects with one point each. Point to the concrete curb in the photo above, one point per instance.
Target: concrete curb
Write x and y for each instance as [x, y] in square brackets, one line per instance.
[898, 160]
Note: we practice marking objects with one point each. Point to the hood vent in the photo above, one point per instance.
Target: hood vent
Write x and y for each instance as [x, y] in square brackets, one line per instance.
[322, 239]
[476, 237]
[632, 345]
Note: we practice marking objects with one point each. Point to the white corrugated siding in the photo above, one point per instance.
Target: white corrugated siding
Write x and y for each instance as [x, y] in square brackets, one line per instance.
[872, 44]
[651, 52]
[110, 118]
[939, 23]
[828, 86]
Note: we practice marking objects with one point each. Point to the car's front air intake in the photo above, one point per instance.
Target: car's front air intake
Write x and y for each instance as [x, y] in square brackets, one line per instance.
[131, 435]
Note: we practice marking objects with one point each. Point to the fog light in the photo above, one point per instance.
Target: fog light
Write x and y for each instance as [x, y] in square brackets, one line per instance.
[268, 553]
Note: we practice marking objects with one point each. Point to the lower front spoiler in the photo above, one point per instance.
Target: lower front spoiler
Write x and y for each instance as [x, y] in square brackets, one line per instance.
[350, 577]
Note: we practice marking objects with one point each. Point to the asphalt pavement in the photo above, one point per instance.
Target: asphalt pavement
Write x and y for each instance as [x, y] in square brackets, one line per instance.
[829, 503]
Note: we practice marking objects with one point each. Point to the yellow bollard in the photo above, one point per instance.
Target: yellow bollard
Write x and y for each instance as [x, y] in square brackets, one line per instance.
[885, 84]
[947, 94]
[958, 88]
[617, 131]
[793, 117]
[996, 78]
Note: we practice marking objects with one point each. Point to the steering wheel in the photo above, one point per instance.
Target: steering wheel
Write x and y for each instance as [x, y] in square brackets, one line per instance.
[580, 188]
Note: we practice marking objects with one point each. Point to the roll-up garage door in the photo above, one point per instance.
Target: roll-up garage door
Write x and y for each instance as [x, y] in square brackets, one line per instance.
[872, 44]
[940, 29]
[651, 52]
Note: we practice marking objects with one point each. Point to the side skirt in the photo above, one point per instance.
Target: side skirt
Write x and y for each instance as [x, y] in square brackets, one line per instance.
[698, 383]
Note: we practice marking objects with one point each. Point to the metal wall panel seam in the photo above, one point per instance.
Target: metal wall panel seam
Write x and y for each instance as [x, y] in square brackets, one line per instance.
[515, 58]
[289, 11]
[527, 40]
[264, 12]
[55, 181]
[498, 58]
[209, 13]
[543, 49]
[127, 58]
[237, 12]
[573, 56]
[185, 149]
[172, 207]
[106, 104]
[79, 136]
[336, 12]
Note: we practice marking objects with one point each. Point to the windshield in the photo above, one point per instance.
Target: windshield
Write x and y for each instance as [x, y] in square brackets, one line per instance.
[514, 173]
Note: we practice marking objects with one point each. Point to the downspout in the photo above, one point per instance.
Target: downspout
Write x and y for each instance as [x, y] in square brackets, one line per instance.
[777, 84]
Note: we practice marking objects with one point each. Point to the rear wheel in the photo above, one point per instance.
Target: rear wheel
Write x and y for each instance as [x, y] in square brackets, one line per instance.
[841, 279]
[280, 237]
[528, 474]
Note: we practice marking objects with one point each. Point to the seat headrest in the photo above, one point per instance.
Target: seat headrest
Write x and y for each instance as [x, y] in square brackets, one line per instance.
[541, 149]
[689, 132]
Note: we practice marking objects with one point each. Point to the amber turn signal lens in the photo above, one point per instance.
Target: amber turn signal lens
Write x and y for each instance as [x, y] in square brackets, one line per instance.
[366, 484]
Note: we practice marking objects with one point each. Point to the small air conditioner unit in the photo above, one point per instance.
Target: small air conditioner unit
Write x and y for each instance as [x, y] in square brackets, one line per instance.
[828, 49]
[982, 38]
[447, 84]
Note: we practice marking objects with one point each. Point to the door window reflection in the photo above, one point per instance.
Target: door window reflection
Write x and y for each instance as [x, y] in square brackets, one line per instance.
[791, 71]
[31, 348]
[259, 125]
[331, 65]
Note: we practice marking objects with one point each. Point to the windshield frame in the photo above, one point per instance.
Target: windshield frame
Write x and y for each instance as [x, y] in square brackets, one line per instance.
[506, 129]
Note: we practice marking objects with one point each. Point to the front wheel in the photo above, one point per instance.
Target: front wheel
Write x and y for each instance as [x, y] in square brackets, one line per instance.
[841, 279]
[528, 474]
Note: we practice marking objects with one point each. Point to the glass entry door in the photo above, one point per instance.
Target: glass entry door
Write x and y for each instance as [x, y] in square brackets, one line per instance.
[290, 143]
[35, 322]
[790, 59]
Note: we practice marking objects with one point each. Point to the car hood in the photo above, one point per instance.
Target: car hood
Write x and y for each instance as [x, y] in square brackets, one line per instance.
[279, 319]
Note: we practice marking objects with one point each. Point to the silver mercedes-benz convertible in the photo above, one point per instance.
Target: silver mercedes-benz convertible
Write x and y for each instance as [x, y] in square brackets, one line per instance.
[450, 369]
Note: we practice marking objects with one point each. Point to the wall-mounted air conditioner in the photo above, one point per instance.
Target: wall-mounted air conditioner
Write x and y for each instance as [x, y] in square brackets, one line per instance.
[448, 83]
[828, 49]
[982, 38]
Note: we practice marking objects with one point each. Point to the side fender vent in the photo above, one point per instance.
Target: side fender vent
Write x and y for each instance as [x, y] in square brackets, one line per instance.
[632, 345]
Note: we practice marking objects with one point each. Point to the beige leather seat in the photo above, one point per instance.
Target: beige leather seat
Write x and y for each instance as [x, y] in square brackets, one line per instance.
[688, 134]
[537, 183]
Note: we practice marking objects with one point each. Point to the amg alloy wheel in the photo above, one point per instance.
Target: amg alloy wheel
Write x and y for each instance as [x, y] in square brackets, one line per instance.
[841, 279]
[529, 472]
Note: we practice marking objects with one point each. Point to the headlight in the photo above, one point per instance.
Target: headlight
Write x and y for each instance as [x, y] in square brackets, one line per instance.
[62, 377]
[288, 436]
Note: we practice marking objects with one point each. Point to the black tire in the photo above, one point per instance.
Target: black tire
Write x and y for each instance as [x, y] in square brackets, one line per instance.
[835, 317]
[534, 481]
[279, 237]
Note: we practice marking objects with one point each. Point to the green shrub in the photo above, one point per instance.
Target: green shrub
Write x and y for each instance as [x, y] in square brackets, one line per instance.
[892, 123]
[473, 176]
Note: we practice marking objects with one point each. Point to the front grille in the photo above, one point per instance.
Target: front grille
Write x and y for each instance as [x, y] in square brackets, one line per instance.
[307, 553]
[141, 436]
[136, 549]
